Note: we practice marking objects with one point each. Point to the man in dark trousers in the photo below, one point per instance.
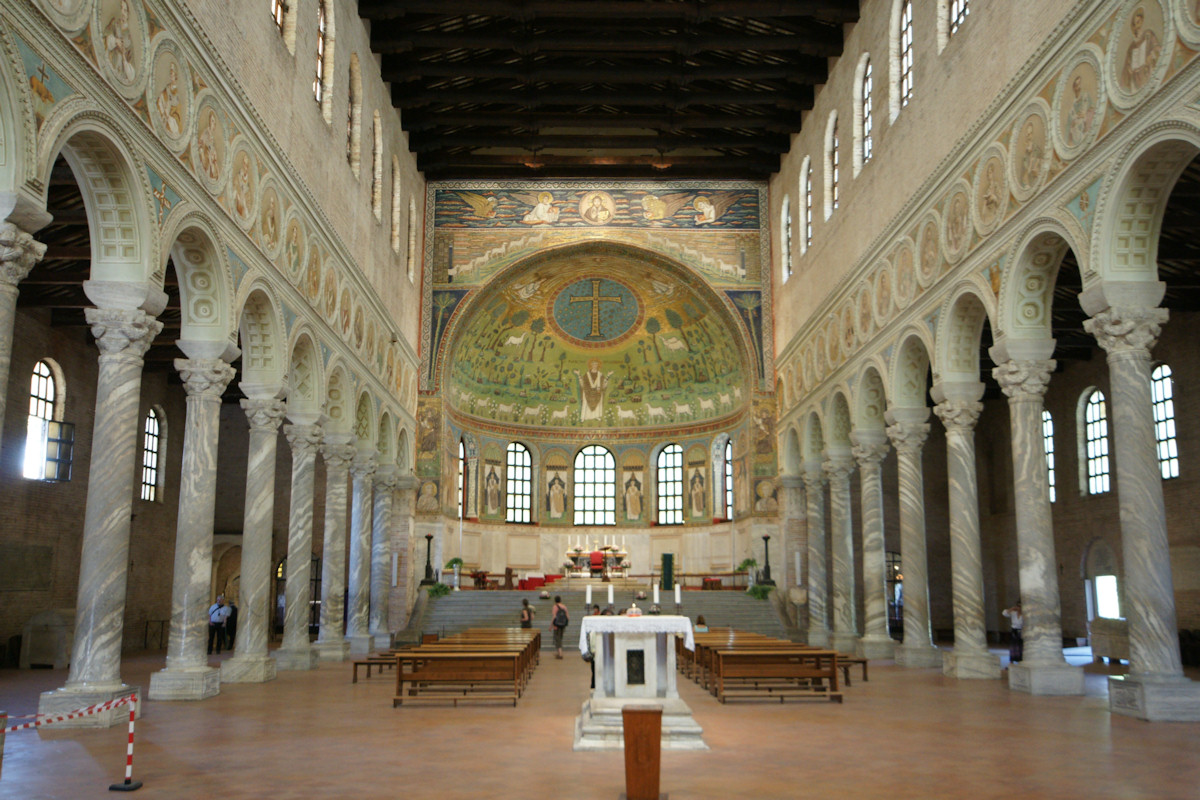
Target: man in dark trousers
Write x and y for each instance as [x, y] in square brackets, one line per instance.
[218, 612]
[231, 625]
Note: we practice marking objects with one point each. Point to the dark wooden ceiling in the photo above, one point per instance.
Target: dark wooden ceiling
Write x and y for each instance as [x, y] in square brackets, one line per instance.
[604, 88]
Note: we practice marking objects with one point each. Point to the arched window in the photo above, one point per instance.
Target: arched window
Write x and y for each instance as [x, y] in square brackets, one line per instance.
[285, 21]
[806, 192]
[43, 400]
[412, 240]
[377, 167]
[319, 78]
[867, 118]
[669, 476]
[396, 205]
[729, 480]
[959, 9]
[595, 487]
[831, 165]
[462, 476]
[906, 53]
[278, 12]
[1095, 437]
[152, 442]
[1162, 393]
[354, 116]
[785, 244]
[519, 480]
[1048, 449]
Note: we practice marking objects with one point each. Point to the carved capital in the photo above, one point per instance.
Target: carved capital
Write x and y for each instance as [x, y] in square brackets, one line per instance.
[304, 439]
[1024, 380]
[959, 415]
[870, 454]
[838, 469]
[337, 455]
[364, 466]
[386, 478]
[19, 251]
[1127, 329]
[908, 437]
[264, 414]
[122, 333]
[204, 378]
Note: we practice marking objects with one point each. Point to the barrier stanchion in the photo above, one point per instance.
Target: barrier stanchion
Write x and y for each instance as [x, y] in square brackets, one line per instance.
[45, 719]
[130, 784]
[3, 726]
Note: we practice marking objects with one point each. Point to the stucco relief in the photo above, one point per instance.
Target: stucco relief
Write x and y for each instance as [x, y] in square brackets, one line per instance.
[956, 234]
[329, 295]
[906, 276]
[883, 292]
[70, 15]
[1139, 51]
[866, 312]
[120, 42]
[312, 276]
[929, 246]
[990, 191]
[1079, 103]
[293, 247]
[209, 149]
[242, 192]
[1029, 151]
[169, 97]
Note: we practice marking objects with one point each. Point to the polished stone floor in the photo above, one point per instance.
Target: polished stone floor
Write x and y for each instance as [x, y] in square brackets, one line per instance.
[905, 734]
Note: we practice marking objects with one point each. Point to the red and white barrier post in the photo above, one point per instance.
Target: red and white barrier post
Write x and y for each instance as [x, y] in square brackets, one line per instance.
[130, 784]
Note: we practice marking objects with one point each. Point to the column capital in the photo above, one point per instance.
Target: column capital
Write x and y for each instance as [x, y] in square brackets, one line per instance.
[19, 251]
[870, 454]
[337, 454]
[121, 332]
[908, 437]
[791, 481]
[838, 467]
[1120, 330]
[204, 378]
[958, 416]
[386, 477]
[1024, 379]
[264, 414]
[406, 483]
[364, 465]
[304, 439]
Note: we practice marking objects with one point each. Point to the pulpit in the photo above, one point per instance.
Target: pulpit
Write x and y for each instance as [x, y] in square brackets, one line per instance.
[635, 664]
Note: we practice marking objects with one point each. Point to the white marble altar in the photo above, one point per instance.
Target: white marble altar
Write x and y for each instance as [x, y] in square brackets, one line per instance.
[635, 664]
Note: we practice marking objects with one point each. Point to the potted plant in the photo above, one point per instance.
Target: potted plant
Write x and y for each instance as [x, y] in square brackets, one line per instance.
[438, 590]
[456, 564]
[747, 566]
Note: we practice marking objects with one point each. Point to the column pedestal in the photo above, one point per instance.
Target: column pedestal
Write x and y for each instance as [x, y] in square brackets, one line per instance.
[296, 659]
[248, 669]
[338, 650]
[983, 665]
[1045, 679]
[62, 701]
[918, 656]
[1173, 700]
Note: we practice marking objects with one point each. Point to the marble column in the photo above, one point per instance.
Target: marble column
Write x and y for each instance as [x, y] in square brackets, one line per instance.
[402, 524]
[1043, 670]
[818, 582]
[1155, 688]
[297, 652]
[970, 657]
[839, 466]
[123, 337]
[250, 662]
[792, 510]
[18, 253]
[187, 675]
[331, 643]
[381, 555]
[907, 431]
[358, 614]
[870, 448]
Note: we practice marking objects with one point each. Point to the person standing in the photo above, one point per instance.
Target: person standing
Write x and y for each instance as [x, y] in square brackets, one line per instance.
[526, 614]
[1016, 650]
[559, 619]
[218, 612]
[231, 625]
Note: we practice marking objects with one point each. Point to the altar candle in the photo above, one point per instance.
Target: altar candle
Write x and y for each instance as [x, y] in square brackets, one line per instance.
[589, 596]
[677, 598]
[610, 594]
[656, 594]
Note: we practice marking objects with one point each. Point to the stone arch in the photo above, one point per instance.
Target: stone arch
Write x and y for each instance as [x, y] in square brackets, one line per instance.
[910, 370]
[339, 393]
[792, 452]
[205, 280]
[364, 419]
[403, 451]
[261, 334]
[1027, 293]
[956, 357]
[110, 178]
[386, 439]
[18, 146]
[813, 443]
[838, 427]
[304, 378]
[870, 399]
[1133, 200]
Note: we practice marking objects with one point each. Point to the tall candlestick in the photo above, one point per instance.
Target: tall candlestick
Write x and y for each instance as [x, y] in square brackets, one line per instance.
[610, 594]
[656, 594]
[677, 597]
[588, 596]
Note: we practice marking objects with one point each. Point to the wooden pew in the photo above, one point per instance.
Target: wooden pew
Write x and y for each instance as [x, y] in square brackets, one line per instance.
[782, 673]
[440, 674]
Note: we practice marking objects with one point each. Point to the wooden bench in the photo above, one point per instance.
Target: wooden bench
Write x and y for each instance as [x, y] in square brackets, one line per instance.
[378, 661]
[441, 675]
[782, 673]
[846, 662]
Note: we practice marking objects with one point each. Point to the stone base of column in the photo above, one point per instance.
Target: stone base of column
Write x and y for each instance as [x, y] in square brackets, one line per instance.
[336, 650]
[972, 666]
[185, 684]
[1171, 700]
[301, 659]
[360, 645]
[877, 647]
[64, 701]
[919, 656]
[248, 669]
[845, 642]
[818, 637]
[1046, 679]
[383, 641]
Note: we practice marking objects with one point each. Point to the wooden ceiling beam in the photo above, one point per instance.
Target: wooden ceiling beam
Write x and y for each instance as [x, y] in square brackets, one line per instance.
[406, 98]
[665, 123]
[828, 10]
[396, 39]
[797, 72]
[714, 140]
